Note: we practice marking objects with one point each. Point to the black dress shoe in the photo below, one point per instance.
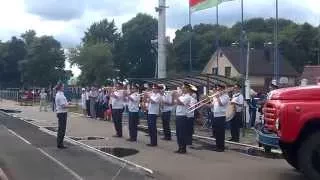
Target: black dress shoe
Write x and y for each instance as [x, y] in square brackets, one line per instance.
[219, 150]
[151, 145]
[131, 140]
[166, 139]
[116, 136]
[62, 147]
[178, 151]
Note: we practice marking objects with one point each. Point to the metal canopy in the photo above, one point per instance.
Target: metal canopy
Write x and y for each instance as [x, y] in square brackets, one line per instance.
[199, 80]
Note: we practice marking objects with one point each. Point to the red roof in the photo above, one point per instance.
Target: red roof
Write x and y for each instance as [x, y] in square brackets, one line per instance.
[311, 73]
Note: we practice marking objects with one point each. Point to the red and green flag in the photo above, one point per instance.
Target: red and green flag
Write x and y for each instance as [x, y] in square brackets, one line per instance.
[197, 5]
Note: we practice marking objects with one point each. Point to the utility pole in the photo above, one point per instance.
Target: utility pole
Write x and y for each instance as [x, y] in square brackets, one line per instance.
[276, 58]
[162, 69]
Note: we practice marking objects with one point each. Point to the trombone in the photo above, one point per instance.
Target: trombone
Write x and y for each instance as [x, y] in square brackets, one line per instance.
[207, 100]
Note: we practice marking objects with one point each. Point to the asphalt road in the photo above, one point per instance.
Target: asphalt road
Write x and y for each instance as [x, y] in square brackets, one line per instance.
[26, 153]
[38, 158]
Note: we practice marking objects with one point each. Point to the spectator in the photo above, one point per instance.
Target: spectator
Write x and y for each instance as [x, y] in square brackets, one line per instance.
[83, 101]
[43, 100]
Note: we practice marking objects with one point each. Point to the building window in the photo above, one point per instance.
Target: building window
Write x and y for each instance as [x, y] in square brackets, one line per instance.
[227, 71]
[215, 71]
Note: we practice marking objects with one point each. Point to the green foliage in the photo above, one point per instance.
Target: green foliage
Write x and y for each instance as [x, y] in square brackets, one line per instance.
[95, 61]
[134, 54]
[95, 56]
[297, 43]
[31, 61]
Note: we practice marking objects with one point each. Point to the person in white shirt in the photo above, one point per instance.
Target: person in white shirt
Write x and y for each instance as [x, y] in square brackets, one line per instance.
[117, 102]
[88, 101]
[153, 100]
[133, 106]
[93, 96]
[166, 108]
[83, 101]
[61, 110]
[191, 115]
[218, 108]
[183, 102]
[43, 100]
[236, 122]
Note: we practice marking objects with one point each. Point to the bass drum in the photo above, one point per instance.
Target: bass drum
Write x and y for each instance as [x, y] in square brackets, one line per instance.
[230, 112]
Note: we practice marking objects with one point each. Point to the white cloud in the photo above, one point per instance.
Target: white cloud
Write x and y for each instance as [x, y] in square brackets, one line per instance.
[68, 19]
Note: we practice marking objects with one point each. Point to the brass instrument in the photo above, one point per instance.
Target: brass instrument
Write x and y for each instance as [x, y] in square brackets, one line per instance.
[208, 99]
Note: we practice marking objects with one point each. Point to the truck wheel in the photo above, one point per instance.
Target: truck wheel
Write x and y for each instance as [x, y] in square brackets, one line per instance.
[309, 157]
[290, 156]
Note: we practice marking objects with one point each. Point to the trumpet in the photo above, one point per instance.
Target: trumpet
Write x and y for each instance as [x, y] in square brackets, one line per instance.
[208, 99]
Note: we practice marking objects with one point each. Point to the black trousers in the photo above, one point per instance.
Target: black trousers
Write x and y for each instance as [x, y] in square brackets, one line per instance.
[166, 124]
[62, 124]
[182, 131]
[220, 131]
[190, 123]
[152, 127]
[253, 115]
[117, 120]
[133, 125]
[235, 127]
[88, 107]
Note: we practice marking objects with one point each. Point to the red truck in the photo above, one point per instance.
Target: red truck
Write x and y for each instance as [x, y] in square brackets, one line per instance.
[293, 115]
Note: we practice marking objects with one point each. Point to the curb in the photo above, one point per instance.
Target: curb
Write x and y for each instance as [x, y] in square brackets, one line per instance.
[3, 176]
[227, 142]
[87, 147]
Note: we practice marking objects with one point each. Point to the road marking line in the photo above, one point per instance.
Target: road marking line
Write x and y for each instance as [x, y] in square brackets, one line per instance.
[3, 176]
[20, 137]
[78, 177]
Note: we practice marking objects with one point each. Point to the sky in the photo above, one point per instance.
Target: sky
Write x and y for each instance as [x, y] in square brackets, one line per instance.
[67, 20]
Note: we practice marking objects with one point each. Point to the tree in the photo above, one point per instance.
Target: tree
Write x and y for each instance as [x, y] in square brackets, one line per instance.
[297, 43]
[44, 63]
[95, 61]
[134, 54]
[95, 56]
[11, 53]
[101, 32]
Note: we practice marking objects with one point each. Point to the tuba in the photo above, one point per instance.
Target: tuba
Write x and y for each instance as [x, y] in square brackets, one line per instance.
[230, 112]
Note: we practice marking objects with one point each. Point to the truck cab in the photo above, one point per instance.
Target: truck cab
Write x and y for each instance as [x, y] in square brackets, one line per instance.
[293, 115]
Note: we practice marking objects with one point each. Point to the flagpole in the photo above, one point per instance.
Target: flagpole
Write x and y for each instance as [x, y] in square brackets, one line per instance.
[190, 41]
[277, 45]
[217, 37]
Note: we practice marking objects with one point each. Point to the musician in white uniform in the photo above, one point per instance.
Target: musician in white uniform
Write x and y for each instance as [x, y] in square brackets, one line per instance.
[182, 102]
[236, 122]
[133, 106]
[166, 108]
[191, 115]
[218, 108]
[154, 100]
[117, 103]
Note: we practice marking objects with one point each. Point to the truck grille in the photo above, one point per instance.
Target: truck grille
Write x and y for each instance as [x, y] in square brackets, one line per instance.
[270, 116]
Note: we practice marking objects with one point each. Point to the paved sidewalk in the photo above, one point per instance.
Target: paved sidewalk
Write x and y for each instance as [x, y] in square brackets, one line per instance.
[200, 162]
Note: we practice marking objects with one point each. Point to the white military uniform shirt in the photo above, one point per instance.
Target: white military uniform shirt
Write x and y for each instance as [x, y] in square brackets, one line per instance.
[61, 102]
[238, 100]
[167, 98]
[154, 107]
[217, 109]
[133, 104]
[192, 102]
[117, 103]
[181, 110]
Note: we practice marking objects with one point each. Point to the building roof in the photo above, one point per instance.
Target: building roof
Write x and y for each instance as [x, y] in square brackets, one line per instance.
[311, 73]
[261, 62]
[195, 79]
